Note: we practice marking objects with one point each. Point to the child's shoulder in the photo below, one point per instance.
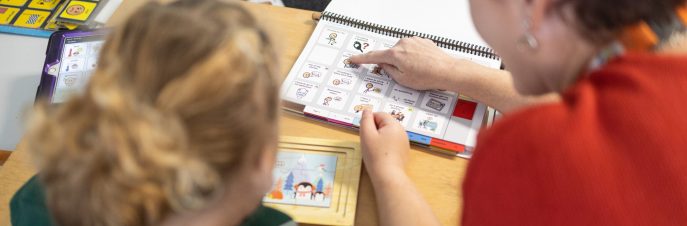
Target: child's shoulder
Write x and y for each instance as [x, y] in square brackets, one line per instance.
[28, 208]
[268, 216]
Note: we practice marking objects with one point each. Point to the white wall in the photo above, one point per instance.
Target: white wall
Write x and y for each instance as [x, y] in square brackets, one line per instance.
[21, 60]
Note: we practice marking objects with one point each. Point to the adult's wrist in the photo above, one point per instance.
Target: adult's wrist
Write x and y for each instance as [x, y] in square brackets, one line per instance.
[451, 76]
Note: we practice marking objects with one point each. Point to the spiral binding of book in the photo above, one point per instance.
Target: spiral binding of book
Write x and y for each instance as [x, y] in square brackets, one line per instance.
[446, 43]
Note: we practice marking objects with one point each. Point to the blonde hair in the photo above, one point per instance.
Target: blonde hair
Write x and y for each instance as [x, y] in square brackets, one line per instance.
[185, 94]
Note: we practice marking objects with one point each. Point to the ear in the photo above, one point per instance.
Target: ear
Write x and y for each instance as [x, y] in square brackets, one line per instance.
[263, 167]
[268, 158]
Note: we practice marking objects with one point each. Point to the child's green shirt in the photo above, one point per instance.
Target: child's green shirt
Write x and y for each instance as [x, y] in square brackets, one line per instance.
[28, 208]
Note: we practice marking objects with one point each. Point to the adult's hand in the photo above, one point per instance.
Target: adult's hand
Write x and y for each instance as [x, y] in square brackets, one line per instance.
[419, 64]
[413, 62]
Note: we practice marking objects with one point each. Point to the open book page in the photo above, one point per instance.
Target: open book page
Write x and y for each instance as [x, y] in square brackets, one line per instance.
[446, 18]
[324, 85]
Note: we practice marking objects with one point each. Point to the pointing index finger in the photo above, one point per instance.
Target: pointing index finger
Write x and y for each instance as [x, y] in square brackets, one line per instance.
[372, 57]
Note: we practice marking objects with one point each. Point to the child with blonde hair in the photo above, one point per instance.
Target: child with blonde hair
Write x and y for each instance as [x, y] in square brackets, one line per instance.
[178, 126]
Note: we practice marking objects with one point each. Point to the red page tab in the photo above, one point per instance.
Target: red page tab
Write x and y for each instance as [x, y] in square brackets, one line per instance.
[447, 145]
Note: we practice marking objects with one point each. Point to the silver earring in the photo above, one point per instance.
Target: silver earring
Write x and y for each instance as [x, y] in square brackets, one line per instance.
[530, 41]
[528, 38]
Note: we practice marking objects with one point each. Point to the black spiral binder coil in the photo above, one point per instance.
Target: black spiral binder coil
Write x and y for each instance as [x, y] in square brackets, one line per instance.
[446, 43]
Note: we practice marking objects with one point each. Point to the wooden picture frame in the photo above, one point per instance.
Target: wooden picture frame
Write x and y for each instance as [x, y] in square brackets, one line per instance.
[343, 195]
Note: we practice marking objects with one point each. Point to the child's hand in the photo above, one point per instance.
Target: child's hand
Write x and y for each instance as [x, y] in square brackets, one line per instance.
[385, 145]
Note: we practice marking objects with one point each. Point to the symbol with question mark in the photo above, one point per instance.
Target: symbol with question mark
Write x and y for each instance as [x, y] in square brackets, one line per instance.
[360, 46]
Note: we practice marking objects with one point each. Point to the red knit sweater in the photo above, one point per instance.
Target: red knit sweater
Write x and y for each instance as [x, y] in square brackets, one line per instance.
[613, 152]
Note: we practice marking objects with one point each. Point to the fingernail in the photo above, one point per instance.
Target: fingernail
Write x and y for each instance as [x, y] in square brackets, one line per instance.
[366, 112]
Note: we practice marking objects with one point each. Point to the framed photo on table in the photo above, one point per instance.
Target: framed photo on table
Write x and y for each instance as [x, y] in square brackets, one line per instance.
[316, 181]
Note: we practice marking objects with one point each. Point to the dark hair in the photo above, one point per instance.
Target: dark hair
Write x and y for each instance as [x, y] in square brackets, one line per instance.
[600, 20]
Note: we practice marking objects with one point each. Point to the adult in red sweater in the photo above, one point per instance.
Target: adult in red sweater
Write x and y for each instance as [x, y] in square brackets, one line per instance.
[581, 144]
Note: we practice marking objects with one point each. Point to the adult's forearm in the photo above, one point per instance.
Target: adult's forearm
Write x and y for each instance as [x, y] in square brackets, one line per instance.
[492, 87]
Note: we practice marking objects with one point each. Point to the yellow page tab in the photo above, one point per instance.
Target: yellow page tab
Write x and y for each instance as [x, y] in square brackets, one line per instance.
[70, 26]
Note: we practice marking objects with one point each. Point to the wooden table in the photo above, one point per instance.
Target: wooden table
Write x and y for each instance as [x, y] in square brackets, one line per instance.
[438, 177]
